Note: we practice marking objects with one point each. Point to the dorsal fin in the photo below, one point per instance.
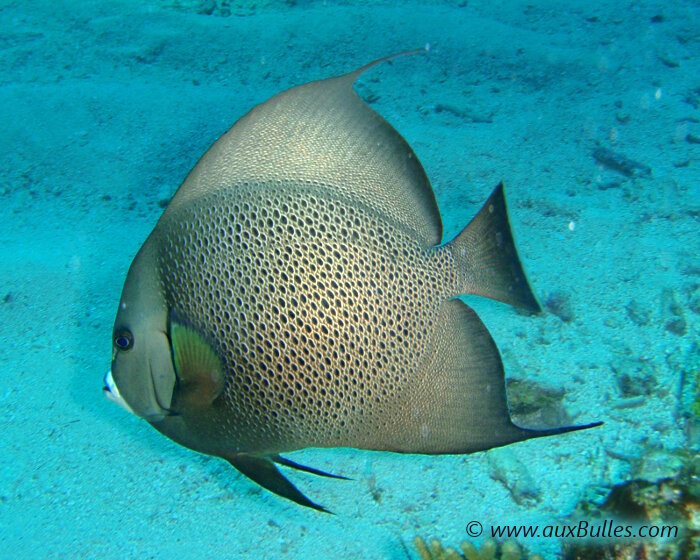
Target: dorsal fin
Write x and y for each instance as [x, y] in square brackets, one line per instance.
[322, 135]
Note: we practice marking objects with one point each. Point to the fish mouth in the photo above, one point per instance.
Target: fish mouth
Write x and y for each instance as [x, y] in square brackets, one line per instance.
[112, 393]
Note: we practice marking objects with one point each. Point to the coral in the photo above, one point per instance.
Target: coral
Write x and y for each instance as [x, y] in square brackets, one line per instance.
[637, 313]
[490, 550]
[635, 377]
[505, 468]
[670, 502]
[695, 405]
[535, 405]
[672, 312]
[688, 364]
[559, 304]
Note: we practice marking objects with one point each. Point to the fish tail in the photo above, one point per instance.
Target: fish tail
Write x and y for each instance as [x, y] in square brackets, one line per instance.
[487, 260]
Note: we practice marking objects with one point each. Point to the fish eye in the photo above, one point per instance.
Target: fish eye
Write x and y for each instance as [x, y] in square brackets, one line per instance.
[123, 340]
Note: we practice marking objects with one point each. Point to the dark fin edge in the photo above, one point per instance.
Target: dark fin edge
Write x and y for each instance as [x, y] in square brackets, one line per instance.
[374, 63]
[516, 434]
[263, 471]
[531, 434]
[487, 260]
[289, 463]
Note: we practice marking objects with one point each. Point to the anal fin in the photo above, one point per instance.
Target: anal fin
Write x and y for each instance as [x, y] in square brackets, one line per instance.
[262, 470]
[456, 402]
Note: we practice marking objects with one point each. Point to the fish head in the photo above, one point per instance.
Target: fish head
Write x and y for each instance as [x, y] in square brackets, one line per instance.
[142, 377]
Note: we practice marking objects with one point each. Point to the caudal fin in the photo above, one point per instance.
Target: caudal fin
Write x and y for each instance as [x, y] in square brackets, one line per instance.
[487, 261]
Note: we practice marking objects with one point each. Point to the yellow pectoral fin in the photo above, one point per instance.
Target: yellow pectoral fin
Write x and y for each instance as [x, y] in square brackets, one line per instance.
[199, 369]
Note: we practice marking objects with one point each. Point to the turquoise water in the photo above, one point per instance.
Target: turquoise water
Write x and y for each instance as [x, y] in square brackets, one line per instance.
[588, 113]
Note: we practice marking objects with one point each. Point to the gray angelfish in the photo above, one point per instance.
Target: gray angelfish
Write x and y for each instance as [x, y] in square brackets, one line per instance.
[295, 294]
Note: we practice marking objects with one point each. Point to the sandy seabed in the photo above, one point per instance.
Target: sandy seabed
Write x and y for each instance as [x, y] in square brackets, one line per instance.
[105, 106]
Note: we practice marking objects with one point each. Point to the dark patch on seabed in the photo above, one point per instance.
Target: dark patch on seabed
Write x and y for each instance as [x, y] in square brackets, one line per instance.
[589, 113]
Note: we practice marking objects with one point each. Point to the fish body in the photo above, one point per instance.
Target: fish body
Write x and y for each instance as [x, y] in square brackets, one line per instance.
[295, 293]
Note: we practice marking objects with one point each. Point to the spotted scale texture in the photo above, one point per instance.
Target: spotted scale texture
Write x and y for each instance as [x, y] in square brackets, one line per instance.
[321, 310]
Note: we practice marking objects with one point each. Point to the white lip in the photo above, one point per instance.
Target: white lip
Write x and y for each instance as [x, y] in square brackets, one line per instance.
[112, 393]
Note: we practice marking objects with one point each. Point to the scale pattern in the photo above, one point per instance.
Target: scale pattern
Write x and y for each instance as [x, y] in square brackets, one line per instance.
[321, 309]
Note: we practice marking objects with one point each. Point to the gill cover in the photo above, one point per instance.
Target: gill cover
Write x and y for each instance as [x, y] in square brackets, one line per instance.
[143, 371]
